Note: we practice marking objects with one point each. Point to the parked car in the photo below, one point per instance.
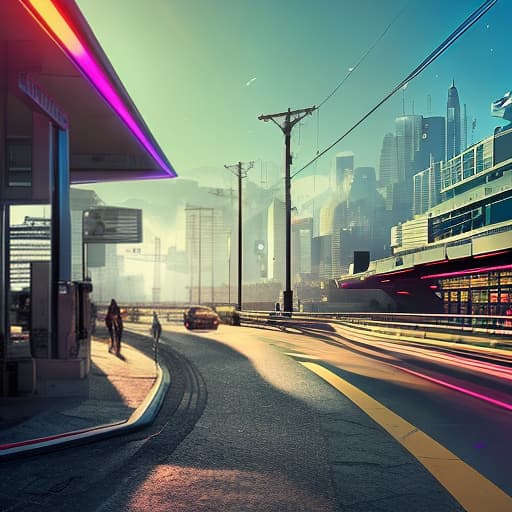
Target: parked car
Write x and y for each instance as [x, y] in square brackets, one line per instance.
[201, 317]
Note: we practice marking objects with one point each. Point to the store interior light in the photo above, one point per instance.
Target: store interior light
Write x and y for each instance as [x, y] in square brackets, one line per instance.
[65, 35]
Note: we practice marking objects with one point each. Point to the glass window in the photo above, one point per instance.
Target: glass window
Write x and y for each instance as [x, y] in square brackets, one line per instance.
[479, 158]
[468, 164]
[487, 154]
[29, 279]
[19, 161]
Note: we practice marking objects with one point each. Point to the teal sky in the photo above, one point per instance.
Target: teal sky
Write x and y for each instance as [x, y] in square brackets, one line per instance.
[202, 71]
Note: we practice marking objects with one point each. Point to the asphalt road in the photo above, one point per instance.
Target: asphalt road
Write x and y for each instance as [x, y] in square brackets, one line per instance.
[246, 427]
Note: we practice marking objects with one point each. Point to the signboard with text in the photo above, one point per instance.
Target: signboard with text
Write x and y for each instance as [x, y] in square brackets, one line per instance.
[111, 225]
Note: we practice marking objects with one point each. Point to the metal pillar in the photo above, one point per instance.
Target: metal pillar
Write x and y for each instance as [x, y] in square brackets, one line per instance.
[61, 229]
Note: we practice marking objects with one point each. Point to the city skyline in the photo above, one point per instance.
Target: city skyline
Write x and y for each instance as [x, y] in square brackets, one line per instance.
[207, 80]
[219, 110]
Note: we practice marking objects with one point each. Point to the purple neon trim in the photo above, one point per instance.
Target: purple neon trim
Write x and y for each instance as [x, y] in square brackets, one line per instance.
[65, 36]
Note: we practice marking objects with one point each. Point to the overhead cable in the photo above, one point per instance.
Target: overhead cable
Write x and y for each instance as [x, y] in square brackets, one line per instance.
[458, 32]
[363, 57]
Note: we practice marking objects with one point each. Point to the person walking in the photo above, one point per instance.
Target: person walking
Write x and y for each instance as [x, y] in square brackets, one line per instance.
[114, 323]
[156, 331]
[156, 328]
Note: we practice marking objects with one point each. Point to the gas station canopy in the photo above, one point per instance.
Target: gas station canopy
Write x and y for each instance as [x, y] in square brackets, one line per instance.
[52, 58]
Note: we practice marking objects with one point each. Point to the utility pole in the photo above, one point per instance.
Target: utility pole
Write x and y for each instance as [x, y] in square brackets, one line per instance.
[191, 212]
[291, 118]
[240, 171]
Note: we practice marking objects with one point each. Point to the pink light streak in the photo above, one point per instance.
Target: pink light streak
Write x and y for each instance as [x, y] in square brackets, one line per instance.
[460, 389]
[501, 372]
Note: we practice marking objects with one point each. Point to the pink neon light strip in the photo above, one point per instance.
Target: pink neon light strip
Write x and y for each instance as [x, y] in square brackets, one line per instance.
[468, 271]
[501, 372]
[466, 391]
[67, 37]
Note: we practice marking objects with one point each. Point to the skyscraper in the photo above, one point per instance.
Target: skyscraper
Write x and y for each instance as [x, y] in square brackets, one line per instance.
[344, 169]
[433, 141]
[408, 141]
[388, 164]
[452, 123]
[276, 241]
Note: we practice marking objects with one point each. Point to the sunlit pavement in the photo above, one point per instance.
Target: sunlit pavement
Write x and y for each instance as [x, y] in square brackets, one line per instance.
[274, 436]
[268, 420]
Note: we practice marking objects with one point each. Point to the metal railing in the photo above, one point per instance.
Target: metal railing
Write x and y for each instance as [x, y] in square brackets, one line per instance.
[476, 329]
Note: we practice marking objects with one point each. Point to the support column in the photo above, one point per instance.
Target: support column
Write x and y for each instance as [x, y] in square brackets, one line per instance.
[4, 226]
[61, 240]
[4, 287]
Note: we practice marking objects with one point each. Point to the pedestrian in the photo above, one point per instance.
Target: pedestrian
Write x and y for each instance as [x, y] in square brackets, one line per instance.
[156, 328]
[156, 331]
[114, 323]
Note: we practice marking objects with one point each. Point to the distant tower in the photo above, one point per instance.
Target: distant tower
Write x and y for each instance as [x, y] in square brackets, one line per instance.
[344, 169]
[388, 161]
[433, 139]
[453, 138]
[408, 131]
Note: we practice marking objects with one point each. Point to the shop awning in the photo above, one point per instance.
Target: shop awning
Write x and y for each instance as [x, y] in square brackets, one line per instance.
[47, 44]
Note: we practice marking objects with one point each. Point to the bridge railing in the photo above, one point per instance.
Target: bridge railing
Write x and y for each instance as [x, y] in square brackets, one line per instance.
[477, 329]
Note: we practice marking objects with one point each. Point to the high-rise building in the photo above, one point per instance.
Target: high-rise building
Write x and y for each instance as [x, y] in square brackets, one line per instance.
[452, 123]
[364, 185]
[427, 188]
[388, 162]
[409, 130]
[276, 241]
[344, 170]
[302, 233]
[408, 140]
[433, 141]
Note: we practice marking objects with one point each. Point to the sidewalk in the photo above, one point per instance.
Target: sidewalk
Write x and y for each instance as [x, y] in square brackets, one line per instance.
[118, 386]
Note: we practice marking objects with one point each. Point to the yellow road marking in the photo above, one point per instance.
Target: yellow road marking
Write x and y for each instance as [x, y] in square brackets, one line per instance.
[472, 490]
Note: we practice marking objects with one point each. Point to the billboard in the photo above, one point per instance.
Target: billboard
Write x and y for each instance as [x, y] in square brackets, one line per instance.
[112, 225]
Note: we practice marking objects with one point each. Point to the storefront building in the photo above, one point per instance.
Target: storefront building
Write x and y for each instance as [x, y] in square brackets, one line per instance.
[67, 119]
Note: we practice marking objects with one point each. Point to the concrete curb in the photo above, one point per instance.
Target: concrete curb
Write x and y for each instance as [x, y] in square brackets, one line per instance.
[140, 418]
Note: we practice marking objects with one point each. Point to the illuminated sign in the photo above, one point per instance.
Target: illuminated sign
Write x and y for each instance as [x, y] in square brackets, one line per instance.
[36, 93]
[109, 225]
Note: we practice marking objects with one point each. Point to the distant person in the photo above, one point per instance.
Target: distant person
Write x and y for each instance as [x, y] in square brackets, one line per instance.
[156, 328]
[278, 308]
[114, 323]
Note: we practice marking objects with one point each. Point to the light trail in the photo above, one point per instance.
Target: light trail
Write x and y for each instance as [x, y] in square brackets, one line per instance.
[460, 389]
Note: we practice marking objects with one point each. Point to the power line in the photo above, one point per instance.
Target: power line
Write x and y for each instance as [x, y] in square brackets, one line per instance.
[458, 32]
[363, 57]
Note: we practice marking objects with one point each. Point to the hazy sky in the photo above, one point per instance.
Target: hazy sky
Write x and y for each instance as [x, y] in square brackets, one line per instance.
[202, 71]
